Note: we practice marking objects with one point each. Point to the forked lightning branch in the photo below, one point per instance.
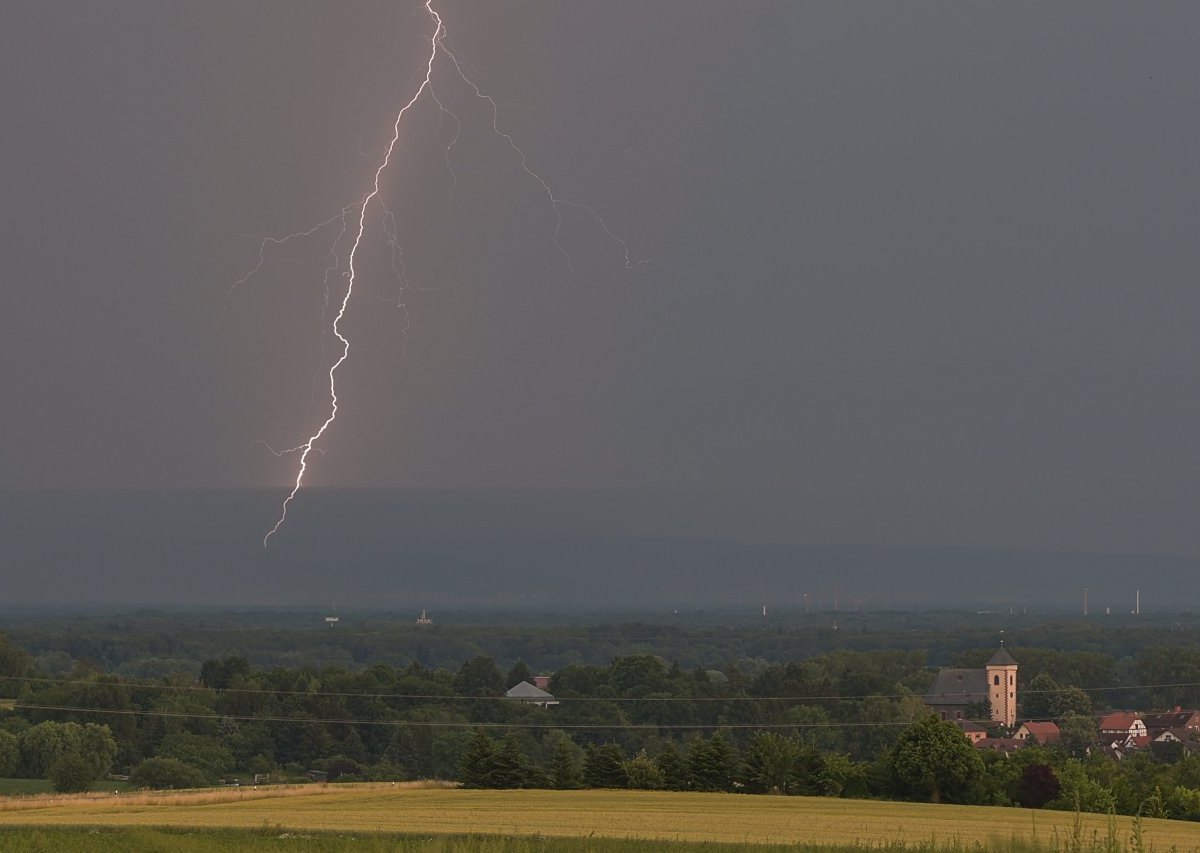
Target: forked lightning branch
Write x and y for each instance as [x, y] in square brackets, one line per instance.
[439, 59]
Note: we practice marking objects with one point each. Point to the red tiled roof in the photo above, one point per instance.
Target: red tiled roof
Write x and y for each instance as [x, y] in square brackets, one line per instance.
[1000, 744]
[1044, 732]
[1118, 721]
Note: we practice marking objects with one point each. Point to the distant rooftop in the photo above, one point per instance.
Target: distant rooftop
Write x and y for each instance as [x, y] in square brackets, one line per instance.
[529, 693]
[958, 687]
[1002, 658]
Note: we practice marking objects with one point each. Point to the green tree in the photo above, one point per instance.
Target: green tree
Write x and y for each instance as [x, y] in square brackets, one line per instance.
[643, 772]
[841, 776]
[10, 754]
[712, 763]
[812, 726]
[1183, 803]
[14, 662]
[637, 675]
[403, 751]
[519, 672]
[45, 743]
[1037, 786]
[771, 764]
[510, 766]
[812, 768]
[1077, 734]
[205, 753]
[166, 773]
[477, 760]
[674, 767]
[479, 677]
[1080, 792]
[933, 759]
[1070, 701]
[98, 748]
[219, 674]
[565, 770]
[71, 774]
[1037, 697]
[604, 766]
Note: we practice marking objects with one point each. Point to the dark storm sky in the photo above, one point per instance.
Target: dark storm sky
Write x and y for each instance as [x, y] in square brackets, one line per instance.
[934, 263]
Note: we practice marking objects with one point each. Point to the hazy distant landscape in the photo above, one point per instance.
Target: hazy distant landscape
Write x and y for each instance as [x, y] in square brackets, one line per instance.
[551, 550]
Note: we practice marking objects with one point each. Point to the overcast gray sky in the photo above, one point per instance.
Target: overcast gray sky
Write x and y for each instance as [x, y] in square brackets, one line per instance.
[914, 256]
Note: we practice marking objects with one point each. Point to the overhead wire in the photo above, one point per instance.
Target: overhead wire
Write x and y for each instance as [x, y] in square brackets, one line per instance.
[459, 724]
[269, 691]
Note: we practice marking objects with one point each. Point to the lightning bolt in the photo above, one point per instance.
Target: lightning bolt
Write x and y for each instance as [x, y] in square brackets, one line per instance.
[436, 47]
[555, 201]
[351, 272]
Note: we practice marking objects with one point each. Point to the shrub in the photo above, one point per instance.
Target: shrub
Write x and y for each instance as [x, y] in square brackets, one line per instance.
[1037, 786]
[71, 774]
[161, 773]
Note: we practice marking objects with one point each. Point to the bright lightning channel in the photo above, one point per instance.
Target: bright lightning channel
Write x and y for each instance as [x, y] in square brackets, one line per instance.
[436, 45]
[350, 273]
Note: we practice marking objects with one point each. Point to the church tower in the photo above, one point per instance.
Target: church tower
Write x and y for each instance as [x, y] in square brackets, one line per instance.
[1002, 687]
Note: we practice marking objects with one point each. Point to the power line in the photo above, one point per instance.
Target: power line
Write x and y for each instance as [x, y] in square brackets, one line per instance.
[455, 724]
[266, 691]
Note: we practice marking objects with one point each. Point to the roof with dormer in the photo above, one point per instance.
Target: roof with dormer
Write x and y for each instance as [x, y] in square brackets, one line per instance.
[1172, 719]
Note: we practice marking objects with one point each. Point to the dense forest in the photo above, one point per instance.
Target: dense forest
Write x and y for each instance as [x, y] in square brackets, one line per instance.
[711, 705]
[155, 644]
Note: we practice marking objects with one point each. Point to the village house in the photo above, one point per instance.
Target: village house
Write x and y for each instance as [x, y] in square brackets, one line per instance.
[1006, 745]
[1158, 722]
[530, 694]
[1126, 723]
[1046, 733]
[1188, 737]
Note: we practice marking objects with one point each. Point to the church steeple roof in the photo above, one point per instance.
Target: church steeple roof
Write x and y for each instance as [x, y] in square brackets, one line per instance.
[1002, 658]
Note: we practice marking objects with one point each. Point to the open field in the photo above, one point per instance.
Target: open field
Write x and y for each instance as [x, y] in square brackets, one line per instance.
[157, 840]
[614, 814]
[8, 787]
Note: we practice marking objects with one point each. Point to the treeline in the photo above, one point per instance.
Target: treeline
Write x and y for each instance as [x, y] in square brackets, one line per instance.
[929, 761]
[415, 721]
[843, 723]
[69, 754]
[772, 763]
[150, 644]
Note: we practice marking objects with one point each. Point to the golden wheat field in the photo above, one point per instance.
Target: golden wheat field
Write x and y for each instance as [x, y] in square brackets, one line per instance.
[617, 814]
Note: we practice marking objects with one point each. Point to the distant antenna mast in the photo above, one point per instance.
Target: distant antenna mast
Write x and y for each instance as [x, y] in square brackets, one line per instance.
[1085, 601]
[1137, 603]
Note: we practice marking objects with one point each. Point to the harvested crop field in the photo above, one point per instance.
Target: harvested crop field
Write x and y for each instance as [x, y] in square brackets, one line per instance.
[614, 814]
